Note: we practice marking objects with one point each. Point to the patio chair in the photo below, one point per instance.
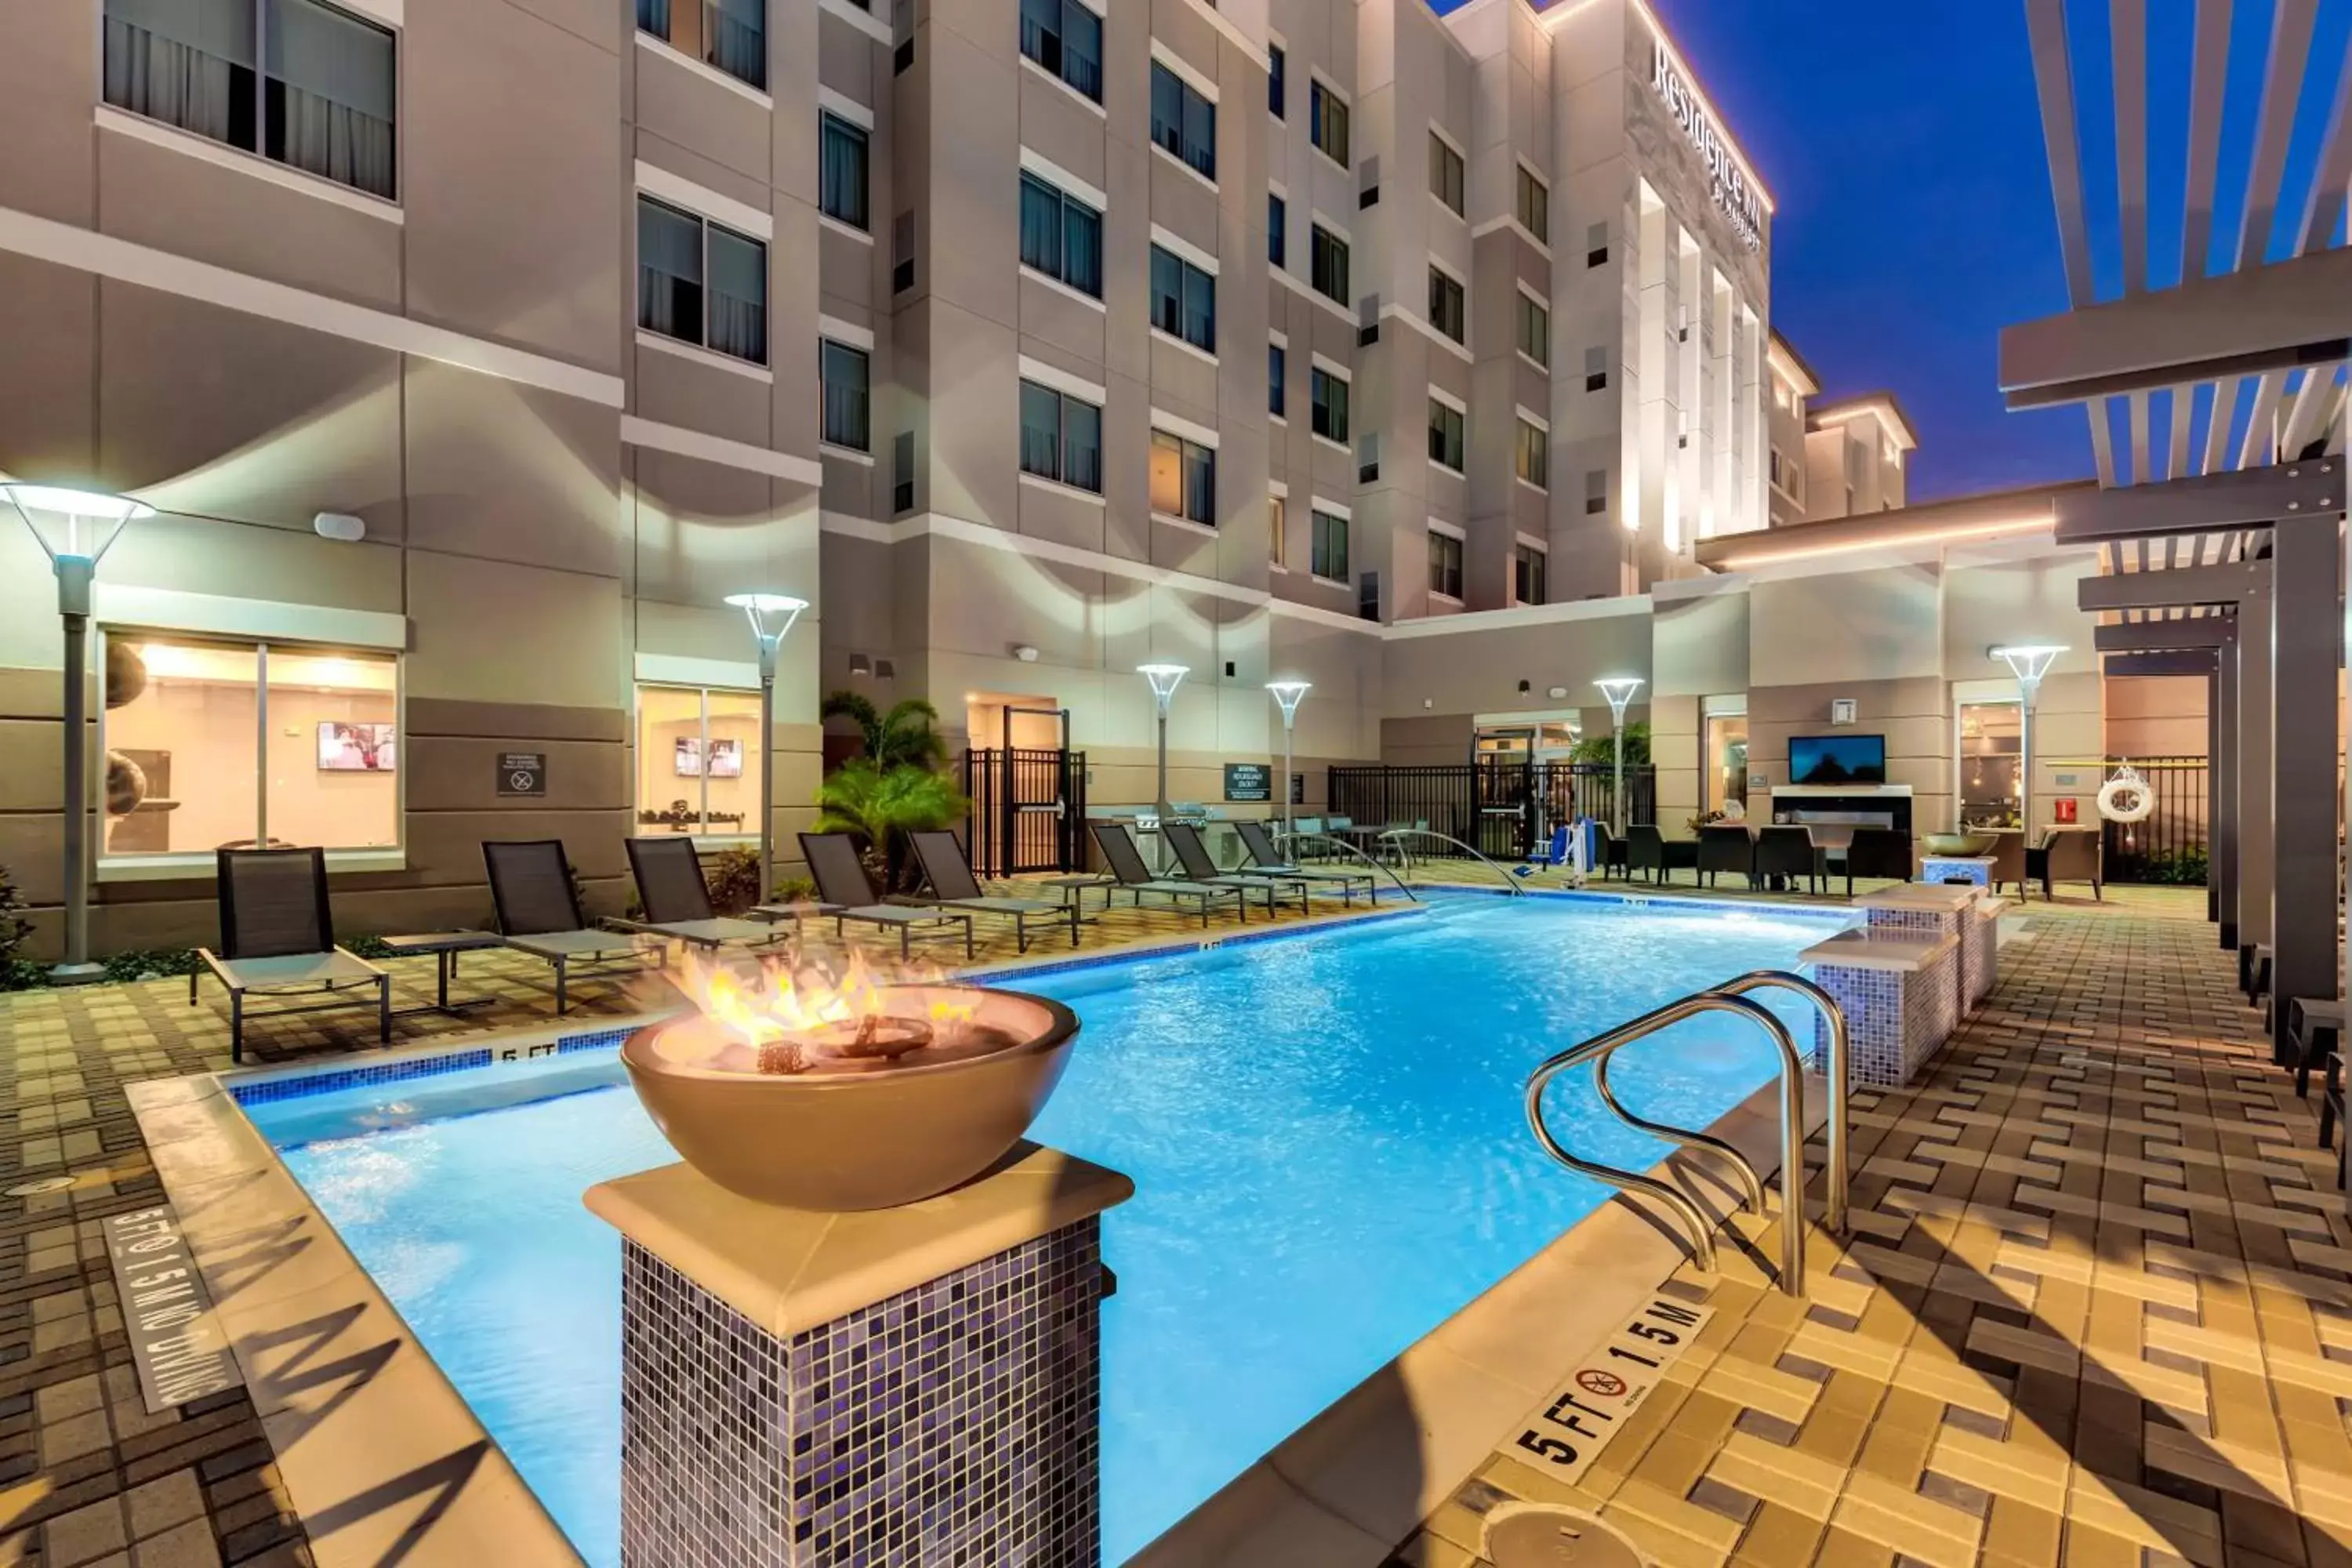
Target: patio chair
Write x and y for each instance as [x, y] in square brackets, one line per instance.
[2071, 854]
[1645, 850]
[841, 880]
[1878, 852]
[953, 887]
[1126, 863]
[277, 938]
[677, 900]
[1725, 846]
[1787, 851]
[539, 913]
[2008, 862]
[1201, 867]
[1264, 857]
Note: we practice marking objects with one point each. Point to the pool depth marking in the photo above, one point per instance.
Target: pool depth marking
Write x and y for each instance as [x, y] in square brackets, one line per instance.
[176, 1342]
[1569, 1431]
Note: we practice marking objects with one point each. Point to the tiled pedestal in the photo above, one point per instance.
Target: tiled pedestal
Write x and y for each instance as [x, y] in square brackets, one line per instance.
[1944, 869]
[1927, 909]
[1900, 993]
[1980, 949]
[907, 1386]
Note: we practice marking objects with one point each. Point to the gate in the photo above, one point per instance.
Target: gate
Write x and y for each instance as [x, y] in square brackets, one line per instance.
[1507, 809]
[1028, 810]
[2169, 844]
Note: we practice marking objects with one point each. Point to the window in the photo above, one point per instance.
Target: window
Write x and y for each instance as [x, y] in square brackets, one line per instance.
[1276, 363]
[1533, 458]
[701, 284]
[1277, 231]
[902, 472]
[1535, 205]
[1596, 244]
[1596, 369]
[1535, 331]
[1445, 172]
[902, 253]
[1327, 263]
[1277, 83]
[841, 173]
[1445, 435]
[1327, 122]
[1277, 524]
[1061, 236]
[258, 744]
[730, 34]
[295, 81]
[1183, 478]
[1183, 122]
[842, 370]
[1528, 575]
[1776, 466]
[1596, 491]
[1724, 780]
[699, 760]
[1445, 308]
[1445, 565]
[1328, 394]
[1061, 437]
[1184, 300]
[1328, 551]
[1065, 39]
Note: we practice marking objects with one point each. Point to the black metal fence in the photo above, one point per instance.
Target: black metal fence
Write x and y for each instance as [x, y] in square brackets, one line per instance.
[2171, 844]
[1028, 810]
[1507, 809]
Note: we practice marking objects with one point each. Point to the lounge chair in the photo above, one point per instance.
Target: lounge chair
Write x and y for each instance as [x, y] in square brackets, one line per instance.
[677, 900]
[538, 913]
[1787, 851]
[1201, 867]
[1878, 852]
[1645, 850]
[277, 938]
[841, 880]
[1264, 857]
[1126, 864]
[953, 887]
[1725, 846]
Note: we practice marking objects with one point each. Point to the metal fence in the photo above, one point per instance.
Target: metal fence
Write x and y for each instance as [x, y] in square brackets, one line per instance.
[2170, 844]
[1028, 810]
[1507, 809]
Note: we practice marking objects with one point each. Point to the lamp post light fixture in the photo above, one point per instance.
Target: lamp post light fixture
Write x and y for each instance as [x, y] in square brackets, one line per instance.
[1164, 678]
[2029, 662]
[75, 529]
[772, 616]
[1619, 690]
[1287, 693]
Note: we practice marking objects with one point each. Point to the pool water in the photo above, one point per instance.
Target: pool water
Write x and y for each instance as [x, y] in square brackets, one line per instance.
[1324, 1132]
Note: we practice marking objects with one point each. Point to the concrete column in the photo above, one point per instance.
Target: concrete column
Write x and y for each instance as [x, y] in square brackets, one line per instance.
[2305, 565]
[2213, 792]
[2256, 852]
[2221, 811]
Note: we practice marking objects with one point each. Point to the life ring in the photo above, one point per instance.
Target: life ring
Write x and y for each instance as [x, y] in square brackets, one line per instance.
[2126, 797]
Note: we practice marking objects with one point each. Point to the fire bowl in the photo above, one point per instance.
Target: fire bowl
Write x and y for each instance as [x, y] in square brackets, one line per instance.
[1959, 843]
[867, 1113]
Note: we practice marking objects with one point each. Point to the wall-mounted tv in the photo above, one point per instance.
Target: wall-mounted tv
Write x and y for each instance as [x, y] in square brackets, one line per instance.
[349, 748]
[1837, 759]
[726, 760]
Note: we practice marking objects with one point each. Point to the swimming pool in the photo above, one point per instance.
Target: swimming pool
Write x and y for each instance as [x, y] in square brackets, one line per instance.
[1324, 1132]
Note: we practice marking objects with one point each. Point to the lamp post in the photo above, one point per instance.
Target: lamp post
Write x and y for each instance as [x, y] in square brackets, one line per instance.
[1287, 693]
[772, 616]
[1619, 690]
[83, 525]
[2029, 662]
[1164, 678]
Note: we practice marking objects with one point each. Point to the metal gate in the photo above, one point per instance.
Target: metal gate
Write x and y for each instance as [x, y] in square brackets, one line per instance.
[1028, 810]
[2170, 844]
[1507, 809]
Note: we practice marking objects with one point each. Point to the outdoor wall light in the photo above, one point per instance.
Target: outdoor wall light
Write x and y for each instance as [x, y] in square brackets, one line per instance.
[1164, 679]
[772, 616]
[1025, 653]
[1619, 690]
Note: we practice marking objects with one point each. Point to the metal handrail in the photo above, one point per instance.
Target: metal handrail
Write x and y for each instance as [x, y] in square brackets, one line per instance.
[1508, 881]
[1295, 836]
[1792, 1126]
[1835, 1195]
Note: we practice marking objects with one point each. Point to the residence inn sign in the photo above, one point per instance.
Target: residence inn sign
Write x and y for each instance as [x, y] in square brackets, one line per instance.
[1733, 192]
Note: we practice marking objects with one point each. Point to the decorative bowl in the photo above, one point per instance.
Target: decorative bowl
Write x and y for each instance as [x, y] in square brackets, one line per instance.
[869, 1113]
[1959, 843]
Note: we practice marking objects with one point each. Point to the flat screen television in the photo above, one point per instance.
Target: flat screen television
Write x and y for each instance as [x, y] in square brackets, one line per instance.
[1837, 759]
[345, 747]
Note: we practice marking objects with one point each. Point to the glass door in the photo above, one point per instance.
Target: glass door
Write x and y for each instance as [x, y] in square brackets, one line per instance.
[1991, 745]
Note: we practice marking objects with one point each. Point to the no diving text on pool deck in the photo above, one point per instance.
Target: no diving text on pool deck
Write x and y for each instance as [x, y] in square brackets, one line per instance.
[1570, 1431]
[176, 1342]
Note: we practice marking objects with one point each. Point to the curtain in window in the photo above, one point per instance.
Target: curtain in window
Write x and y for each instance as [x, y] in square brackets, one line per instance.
[669, 272]
[1167, 474]
[844, 371]
[1040, 33]
[1082, 247]
[1167, 109]
[1041, 432]
[1200, 310]
[1167, 292]
[1040, 227]
[1082, 50]
[1201, 483]
[653, 16]
[188, 64]
[739, 296]
[736, 34]
[842, 172]
[1082, 444]
[330, 94]
[1201, 133]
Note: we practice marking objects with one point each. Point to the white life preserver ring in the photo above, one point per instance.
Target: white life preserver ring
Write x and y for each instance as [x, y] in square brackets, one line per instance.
[2126, 797]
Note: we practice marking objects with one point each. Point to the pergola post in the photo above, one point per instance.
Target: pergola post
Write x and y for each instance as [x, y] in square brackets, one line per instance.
[2255, 851]
[2221, 773]
[2304, 644]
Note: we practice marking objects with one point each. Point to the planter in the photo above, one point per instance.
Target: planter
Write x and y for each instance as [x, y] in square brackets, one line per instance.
[1959, 843]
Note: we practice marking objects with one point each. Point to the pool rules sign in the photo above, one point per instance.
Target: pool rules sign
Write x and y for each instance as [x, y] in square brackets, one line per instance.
[1566, 1433]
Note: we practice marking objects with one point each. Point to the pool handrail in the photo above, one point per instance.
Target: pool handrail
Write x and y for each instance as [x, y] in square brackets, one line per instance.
[1296, 836]
[1400, 834]
[1837, 1174]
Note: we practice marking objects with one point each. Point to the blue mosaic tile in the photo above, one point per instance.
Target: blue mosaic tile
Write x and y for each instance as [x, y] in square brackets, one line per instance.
[1179, 948]
[327, 1080]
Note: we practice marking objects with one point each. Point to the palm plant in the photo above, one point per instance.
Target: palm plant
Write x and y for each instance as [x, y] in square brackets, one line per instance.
[907, 733]
[1603, 748]
[882, 804]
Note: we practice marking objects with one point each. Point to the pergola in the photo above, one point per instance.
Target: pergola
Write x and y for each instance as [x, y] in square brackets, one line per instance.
[2217, 401]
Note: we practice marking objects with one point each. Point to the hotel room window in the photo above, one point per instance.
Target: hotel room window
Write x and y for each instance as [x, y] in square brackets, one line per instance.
[1445, 436]
[1184, 300]
[1183, 478]
[1535, 205]
[1534, 332]
[1445, 565]
[1532, 460]
[1061, 236]
[1328, 264]
[1183, 122]
[1328, 395]
[229, 745]
[843, 371]
[1446, 310]
[1278, 399]
[701, 284]
[1596, 244]
[1277, 231]
[1277, 82]
[699, 760]
[1277, 524]
[298, 82]
[1328, 549]
[1596, 369]
[1445, 173]
[1528, 575]
[1061, 437]
[1065, 37]
[1327, 122]
[732, 35]
[1596, 491]
[841, 170]
[902, 471]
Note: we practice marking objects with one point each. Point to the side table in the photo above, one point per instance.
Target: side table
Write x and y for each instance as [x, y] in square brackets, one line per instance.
[445, 946]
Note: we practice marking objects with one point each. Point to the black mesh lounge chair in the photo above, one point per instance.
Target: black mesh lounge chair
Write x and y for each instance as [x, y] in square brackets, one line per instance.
[277, 938]
[530, 888]
[1264, 857]
[1126, 864]
[677, 900]
[1878, 852]
[841, 880]
[953, 887]
[1645, 850]
[1725, 846]
[1786, 850]
[1200, 866]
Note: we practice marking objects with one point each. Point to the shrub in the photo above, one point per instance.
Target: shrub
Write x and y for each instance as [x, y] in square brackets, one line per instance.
[17, 972]
[733, 877]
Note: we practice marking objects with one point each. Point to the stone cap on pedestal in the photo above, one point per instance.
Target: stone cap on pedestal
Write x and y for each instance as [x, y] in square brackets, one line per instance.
[1873, 950]
[788, 1270]
[1922, 895]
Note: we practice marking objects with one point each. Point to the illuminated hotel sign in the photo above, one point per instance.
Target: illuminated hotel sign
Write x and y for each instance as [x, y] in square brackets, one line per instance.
[1733, 193]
